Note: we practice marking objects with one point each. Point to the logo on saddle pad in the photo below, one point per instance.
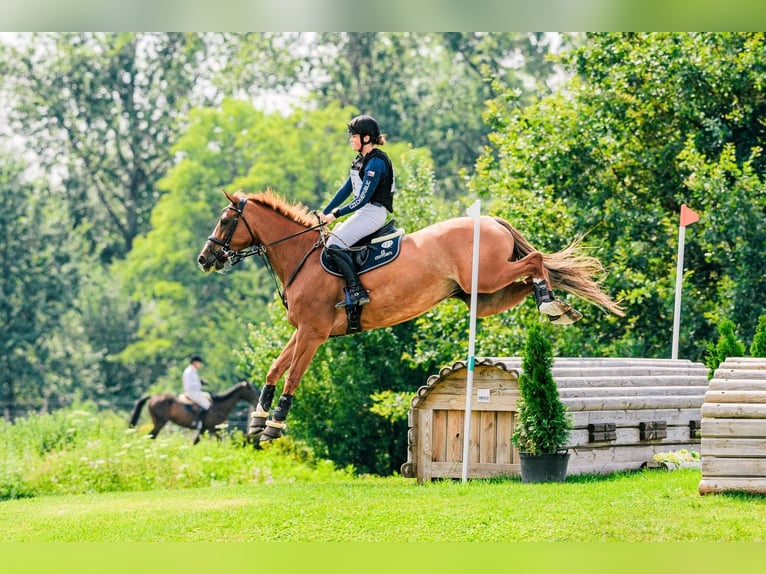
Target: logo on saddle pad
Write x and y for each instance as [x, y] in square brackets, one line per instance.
[369, 255]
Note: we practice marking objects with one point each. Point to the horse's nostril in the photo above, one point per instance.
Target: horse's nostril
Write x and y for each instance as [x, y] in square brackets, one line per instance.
[201, 260]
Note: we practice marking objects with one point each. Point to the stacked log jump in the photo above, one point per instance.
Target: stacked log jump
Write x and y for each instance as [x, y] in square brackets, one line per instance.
[624, 412]
[733, 445]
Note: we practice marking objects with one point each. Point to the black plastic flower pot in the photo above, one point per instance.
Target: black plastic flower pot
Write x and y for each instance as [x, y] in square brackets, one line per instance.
[544, 467]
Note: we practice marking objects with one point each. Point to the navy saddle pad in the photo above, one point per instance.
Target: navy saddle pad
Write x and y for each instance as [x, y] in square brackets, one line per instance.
[373, 251]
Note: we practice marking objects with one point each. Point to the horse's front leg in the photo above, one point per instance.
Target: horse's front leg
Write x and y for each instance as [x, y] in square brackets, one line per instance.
[260, 415]
[305, 345]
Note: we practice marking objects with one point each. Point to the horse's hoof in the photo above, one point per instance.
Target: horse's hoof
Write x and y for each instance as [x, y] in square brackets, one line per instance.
[274, 430]
[567, 318]
[554, 308]
[257, 425]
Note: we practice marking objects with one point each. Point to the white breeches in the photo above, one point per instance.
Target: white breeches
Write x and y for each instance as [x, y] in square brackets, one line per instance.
[366, 220]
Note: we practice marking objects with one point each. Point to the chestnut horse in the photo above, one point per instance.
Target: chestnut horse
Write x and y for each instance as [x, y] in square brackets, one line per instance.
[435, 263]
[167, 407]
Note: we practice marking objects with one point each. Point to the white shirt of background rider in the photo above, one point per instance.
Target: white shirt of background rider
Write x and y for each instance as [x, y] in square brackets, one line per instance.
[193, 386]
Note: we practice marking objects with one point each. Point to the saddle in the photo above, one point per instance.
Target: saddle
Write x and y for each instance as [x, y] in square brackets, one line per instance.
[372, 251]
[190, 404]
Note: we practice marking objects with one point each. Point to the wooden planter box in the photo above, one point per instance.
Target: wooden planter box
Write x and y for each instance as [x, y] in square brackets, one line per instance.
[624, 410]
[734, 428]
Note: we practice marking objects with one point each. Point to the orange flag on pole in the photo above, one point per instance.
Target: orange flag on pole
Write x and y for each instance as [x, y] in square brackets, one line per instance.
[688, 216]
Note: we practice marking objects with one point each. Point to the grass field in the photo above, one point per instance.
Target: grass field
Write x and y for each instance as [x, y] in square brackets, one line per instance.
[646, 506]
[80, 493]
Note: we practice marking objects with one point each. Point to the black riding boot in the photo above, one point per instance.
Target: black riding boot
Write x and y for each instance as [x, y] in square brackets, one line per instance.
[199, 418]
[357, 294]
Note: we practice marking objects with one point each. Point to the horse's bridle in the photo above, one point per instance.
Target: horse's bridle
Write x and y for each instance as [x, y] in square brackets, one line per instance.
[230, 258]
[225, 255]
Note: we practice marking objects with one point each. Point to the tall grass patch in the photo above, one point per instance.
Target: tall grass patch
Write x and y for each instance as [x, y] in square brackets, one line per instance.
[76, 451]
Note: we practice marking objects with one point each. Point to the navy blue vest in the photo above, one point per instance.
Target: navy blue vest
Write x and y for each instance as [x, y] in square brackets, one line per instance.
[384, 193]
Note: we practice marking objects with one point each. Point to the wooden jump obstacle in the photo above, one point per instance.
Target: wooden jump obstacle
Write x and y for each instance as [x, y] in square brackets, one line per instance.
[624, 412]
[733, 448]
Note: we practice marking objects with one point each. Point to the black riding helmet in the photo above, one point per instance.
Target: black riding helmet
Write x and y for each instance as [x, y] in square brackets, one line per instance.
[365, 125]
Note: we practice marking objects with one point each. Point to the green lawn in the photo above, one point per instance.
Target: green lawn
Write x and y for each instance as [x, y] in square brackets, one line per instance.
[646, 506]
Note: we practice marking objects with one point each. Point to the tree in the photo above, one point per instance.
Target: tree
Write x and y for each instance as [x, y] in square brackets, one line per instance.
[428, 89]
[44, 356]
[758, 346]
[649, 120]
[101, 111]
[727, 346]
[543, 424]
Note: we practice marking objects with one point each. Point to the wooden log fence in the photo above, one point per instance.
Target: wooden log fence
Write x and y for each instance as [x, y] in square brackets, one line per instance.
[733, 429]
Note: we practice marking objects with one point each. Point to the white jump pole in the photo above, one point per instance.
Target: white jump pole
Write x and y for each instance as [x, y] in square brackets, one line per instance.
[679, 285]
[687, 218]
[474, 211]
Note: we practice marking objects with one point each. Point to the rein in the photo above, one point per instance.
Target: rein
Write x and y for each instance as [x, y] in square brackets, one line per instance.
[234, 257]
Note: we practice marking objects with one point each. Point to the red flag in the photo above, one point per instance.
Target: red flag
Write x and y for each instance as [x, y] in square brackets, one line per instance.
[688, 216]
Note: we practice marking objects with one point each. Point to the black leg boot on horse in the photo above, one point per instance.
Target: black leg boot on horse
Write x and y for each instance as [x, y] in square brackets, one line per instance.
[356, 294]
[260, 415]
[276, 426]
[559, 312]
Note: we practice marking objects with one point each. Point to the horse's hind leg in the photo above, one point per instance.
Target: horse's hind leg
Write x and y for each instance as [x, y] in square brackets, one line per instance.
[512, 282]
[158, 424]
[157, 428]
[493, 303]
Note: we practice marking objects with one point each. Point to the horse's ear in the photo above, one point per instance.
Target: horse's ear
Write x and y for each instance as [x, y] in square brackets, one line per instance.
[229, 196]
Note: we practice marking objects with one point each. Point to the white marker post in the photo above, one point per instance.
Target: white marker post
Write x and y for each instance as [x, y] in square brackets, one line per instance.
[687, 218]
[475, 213]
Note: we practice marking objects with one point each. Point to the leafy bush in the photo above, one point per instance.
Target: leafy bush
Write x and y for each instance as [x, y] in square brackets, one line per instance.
[758, 346]
[76, 451]
[727, 346]
[677, 457]
[543, 424]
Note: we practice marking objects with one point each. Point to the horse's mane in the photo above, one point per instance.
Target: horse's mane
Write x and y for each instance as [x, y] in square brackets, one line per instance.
[228, 392]
[295, 211]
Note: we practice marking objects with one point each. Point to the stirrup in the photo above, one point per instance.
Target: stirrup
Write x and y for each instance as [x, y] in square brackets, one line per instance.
[360, 297]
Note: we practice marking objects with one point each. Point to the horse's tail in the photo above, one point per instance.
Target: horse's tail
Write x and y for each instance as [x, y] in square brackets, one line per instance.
[137, 407]
[570, 269]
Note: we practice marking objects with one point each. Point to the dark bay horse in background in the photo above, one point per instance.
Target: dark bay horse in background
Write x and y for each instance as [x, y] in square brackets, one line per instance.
[435, 263]
[169, 407]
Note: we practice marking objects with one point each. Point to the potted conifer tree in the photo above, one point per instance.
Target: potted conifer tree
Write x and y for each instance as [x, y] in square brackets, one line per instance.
[543, 423]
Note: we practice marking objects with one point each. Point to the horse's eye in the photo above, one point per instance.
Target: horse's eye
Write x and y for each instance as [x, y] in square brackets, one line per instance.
[224, 222]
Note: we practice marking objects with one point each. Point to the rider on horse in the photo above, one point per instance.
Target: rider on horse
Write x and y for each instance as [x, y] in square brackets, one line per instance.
[373, 186]
[193, 389]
